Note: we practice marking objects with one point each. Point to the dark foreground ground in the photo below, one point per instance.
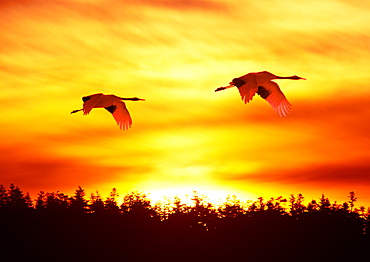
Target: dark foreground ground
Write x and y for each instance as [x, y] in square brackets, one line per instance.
[56, 227]
[261, 236]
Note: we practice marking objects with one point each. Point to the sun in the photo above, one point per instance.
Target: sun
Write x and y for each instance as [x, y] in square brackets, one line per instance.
[187, 181]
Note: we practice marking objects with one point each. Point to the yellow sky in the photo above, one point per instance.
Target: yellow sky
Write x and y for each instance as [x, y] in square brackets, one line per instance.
[185, 136]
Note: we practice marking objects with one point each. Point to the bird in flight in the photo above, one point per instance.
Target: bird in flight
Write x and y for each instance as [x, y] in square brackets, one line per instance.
[260, 83]
[113, 104]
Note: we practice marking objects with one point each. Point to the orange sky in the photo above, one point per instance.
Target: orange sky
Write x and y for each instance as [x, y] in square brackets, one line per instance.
[185, 136]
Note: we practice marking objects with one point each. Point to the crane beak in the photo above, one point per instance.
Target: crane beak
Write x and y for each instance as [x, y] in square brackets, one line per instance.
[133, 99]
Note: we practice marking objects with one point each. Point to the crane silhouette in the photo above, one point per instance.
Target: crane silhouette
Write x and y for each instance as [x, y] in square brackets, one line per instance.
[260, 83]
[113, 104]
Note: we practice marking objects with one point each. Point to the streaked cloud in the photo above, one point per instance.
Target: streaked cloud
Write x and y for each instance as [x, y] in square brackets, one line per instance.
[175, 54]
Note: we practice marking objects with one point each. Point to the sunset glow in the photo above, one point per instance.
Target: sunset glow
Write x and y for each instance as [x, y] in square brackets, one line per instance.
[185, 136]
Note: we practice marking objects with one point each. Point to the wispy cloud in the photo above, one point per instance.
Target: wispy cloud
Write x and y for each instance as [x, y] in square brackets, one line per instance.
[175, 54]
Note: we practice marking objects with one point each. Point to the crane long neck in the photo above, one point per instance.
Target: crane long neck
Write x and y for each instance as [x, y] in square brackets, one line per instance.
[132, 99]
[286, 77]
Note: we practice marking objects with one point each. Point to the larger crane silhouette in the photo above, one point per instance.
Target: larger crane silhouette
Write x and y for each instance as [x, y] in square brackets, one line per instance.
[113, 104]
[260, 83]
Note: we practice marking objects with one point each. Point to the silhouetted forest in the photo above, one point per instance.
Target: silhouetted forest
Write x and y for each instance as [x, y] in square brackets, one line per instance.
[57, 227]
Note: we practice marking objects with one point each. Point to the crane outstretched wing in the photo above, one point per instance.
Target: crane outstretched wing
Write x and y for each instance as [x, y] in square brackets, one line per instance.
[247, 86]
[271, 92]
[120, 114]
[90, 102]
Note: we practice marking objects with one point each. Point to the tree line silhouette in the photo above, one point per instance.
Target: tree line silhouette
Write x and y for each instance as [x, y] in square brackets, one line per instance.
[56, 227]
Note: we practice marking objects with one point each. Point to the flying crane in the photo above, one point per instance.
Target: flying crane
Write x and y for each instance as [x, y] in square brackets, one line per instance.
[260, 83]
[113, 104]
